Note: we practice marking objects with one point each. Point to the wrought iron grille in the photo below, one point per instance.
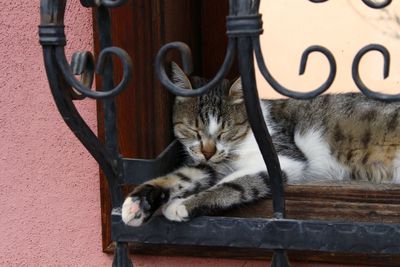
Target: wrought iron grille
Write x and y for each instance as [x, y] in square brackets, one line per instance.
[244, 26]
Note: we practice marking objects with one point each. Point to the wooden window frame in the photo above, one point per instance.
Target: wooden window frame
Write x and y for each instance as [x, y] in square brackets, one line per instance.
[143, 118]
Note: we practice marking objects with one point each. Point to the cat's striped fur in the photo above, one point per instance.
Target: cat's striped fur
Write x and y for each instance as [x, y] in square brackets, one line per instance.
[330, 138]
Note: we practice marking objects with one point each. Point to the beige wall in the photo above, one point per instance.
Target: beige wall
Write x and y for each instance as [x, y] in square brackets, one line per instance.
[342, 26]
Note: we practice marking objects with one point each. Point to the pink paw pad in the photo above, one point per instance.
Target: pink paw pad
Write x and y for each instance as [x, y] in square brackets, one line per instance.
[134, 208]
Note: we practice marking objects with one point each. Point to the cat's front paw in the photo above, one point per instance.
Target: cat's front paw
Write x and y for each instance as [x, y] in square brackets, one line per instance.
[132, 213]
[176, 211]
[142, 203]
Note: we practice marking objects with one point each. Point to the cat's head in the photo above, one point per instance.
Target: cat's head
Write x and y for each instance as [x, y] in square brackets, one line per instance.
[212, 126]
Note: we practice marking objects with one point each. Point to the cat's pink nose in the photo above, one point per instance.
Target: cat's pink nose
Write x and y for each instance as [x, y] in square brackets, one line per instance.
[208, 151]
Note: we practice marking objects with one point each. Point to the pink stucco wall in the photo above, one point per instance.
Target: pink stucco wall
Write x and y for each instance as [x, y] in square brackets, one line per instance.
[49, 184]
[49, 193]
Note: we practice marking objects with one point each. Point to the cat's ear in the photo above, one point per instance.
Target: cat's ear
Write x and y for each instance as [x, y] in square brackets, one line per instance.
[236, 92]
[179, 77]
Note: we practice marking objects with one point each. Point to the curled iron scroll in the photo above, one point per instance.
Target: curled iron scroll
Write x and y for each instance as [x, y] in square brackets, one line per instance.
[371, 4]
[187, 67]
[82, 63]
[318, 1]
[83, 88]
[61, 77]
[386, 66]
[287, 92]
[377, 5]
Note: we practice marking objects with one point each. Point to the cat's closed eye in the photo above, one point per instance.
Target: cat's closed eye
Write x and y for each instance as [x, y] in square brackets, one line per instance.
[223, 134]
[184, 132]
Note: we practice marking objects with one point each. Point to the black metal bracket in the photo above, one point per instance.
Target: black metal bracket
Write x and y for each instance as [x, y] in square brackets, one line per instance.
[244, 25]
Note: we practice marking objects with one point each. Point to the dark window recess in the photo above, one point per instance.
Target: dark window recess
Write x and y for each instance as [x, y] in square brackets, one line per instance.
[355, 224]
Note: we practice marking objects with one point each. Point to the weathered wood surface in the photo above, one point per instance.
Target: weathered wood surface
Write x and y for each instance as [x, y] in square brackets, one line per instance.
[347, 202]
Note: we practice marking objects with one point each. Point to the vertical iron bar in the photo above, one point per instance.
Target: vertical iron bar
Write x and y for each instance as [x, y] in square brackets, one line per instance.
[260, 130]
[109, 108]
[258, 126]
[256, 119]
[280, 259]
[111, 138]
[121, 254]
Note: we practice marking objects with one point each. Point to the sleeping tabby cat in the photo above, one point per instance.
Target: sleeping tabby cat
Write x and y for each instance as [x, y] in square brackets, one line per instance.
[330, 138]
